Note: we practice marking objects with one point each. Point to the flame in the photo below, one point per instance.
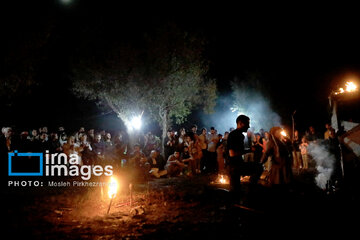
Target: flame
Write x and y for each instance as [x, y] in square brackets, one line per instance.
[113, 187]
[283, 133]
[349, 87]
[222, 179]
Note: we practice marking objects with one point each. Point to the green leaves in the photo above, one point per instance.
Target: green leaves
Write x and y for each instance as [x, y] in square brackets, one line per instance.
[164, 78]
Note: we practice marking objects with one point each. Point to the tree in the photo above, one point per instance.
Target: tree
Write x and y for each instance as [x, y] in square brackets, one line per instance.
[164, 76]
[115, 81]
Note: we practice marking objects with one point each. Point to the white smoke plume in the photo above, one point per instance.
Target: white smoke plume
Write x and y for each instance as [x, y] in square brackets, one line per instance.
[325, 162]
[247, 97]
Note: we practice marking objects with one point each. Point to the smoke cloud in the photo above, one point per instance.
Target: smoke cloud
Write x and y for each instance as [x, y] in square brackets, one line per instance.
[325, 162]
[243, 100]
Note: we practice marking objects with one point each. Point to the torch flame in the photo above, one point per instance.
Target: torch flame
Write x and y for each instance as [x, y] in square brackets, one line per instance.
[350, 87]
[283, 133]
[113, 187]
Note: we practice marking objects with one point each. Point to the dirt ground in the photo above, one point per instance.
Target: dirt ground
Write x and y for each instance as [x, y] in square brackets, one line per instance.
[179, 208]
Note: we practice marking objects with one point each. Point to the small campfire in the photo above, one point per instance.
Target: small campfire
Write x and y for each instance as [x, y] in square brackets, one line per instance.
[224, 179]
[221, 179]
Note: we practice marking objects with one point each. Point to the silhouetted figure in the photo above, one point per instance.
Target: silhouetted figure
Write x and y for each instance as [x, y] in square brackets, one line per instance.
[235, 145]
[280, 172]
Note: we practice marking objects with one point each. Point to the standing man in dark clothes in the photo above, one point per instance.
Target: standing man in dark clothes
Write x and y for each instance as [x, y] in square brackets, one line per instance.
[98, 147]
[235, 145]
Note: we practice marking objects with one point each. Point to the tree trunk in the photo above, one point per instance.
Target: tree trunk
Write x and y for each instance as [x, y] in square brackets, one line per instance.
[164, 126]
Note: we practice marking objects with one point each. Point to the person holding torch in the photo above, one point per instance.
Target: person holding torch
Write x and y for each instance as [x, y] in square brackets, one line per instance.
[281, 158]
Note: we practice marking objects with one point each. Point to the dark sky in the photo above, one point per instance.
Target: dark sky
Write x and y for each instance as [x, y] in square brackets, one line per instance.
[300, 52]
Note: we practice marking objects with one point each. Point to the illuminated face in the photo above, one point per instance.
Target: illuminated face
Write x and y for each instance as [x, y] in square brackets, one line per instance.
[204, 131]
[153, 154]
[43, 136]
[71, 140]
[98, 138]
[83, 138]
[8, 132]
[34, 133]
[55, 136]
[177, 154]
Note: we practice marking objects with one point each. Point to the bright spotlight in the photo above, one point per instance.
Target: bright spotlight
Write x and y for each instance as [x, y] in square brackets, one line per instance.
[135, 123]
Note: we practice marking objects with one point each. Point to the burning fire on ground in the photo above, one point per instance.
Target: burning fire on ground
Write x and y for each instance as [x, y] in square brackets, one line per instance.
[221, 179]
[224, 179]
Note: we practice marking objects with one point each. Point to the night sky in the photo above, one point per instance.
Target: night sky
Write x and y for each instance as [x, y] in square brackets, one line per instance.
[301, 53]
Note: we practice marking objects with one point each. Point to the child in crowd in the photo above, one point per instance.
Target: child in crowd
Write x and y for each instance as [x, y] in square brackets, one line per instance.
[304, 153]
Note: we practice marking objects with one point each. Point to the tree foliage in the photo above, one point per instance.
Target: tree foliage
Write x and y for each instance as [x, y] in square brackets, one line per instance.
[163, 75]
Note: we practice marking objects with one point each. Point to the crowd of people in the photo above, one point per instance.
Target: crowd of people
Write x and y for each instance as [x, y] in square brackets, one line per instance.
[185, 152]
